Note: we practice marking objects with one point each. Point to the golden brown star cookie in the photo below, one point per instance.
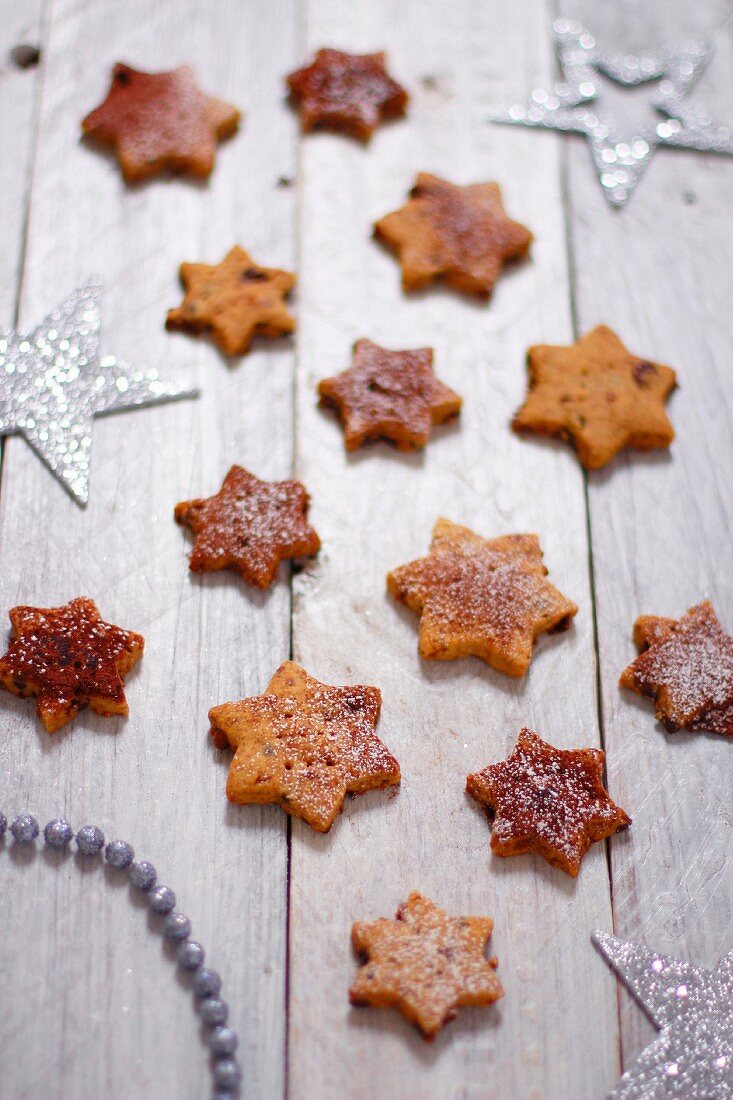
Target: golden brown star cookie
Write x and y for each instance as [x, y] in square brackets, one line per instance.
[234, 301]
[389, 395]
[547, 800]
[425, 964]
[459, 234]
[686, 667]
[598, 396]
[249, 526]
[69, 658]
[304, 745]
[482, 597]
[345, 92]
[159, 122]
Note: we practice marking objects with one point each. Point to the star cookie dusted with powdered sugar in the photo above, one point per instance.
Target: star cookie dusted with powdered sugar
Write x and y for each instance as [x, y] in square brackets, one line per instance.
[159, 122]
[547, 800]
[483, 597]
[425, 964]
[390, 395]
[69, 658]
[598, 396]
[348, 93]
[686, 667]
[304, 745]
[249, 526]
[461, 235]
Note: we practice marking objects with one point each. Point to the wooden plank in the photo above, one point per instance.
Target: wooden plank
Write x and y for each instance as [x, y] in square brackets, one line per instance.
[658, 272]
[375, 510]
[97, 1010]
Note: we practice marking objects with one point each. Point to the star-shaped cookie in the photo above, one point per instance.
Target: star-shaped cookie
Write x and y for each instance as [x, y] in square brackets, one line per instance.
[686, 667]
[482, 597]
[598, 396]
[348, 93]
[304, 745]
[69, 658]
[159, 122]
[459, 234]
[547, 800]
[249, 526]
[389, 395]
[425, 964]
[234, 301]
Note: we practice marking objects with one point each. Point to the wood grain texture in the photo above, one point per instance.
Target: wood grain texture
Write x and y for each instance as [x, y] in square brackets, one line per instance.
[375, 510]
[97, 1009]
[662, 524]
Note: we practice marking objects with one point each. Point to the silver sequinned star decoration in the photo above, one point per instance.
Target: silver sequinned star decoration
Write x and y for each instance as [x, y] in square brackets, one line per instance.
[53, 383]
[692, 1057]
[622, 157]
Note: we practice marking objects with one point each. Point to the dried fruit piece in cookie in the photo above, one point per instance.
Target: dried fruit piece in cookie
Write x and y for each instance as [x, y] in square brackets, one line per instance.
[304, 745]
[389, 395]
[345, 92]
[598, 396]
[234, 301]
[547, 800]
[69, 658]
[159, 122]
[482, 597]
[249, 526]
[686, 667]
[459, 234]
[425, 964]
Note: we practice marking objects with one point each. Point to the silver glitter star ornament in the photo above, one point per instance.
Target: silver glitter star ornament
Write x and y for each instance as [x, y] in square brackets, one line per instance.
[621, 158]
[692, 1057]
[53, 383]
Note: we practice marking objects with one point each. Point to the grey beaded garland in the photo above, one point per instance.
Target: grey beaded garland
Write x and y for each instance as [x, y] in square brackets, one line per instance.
[214, 1012]
[119, 854]
[190, 955]
[3, 823]
[143, 874]
[24, 828]
[223, 1042]
[226, 1073]
[206, 983]
[58, 833]
[90, 840]
[161, 899]
[176, 926]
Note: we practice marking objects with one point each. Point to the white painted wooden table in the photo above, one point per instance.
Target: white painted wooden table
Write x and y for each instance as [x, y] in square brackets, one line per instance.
[90, 1006]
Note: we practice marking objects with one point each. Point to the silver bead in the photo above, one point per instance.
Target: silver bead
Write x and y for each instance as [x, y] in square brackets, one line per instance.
[161, 899]
[90, 840]
[176, 926]
[214, 1012]
[226, 1074]
[206, 983]
[3, 823]
[119, 854]
[58, 833]
[24, 828]
[143, 874]
[223, 1042]
[190, 955]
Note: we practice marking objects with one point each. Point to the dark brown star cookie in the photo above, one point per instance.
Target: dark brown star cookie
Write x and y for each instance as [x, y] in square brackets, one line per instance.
[389, 395]
[304, 745]
[69, 658]
[234, 301]
[249, 526]
[481, 597]
[547, 800]
[686, 667]
[459, 234]
[598, 396]
[425, 964]
[348, 93]
[159, 122]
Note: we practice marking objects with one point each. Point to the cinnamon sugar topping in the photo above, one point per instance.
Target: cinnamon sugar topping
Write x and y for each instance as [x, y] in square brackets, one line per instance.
[348, 93]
